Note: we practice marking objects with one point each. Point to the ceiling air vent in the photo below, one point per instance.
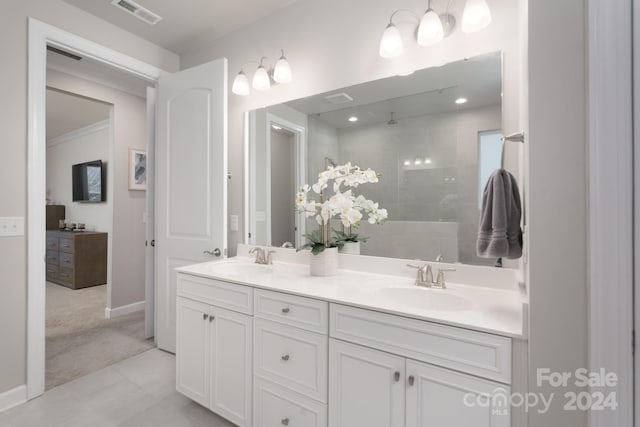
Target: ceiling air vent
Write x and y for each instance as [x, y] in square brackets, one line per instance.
[339, 98]
[138, 11]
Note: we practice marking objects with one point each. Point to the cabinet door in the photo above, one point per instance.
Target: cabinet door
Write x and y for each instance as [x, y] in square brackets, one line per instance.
[192, 351]
[366, 387]
[231, 350]
[440, 397]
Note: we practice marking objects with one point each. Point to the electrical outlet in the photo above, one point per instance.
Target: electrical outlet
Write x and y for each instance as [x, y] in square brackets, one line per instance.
[11, 226]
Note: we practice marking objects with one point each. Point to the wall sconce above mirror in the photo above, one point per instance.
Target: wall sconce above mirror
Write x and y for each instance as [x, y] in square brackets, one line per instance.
[433, 27]
[280, 73]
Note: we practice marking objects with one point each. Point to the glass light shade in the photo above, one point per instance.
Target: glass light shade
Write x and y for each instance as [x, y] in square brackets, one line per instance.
[261, 79]
[430, 30]
[240, 84]
[282, 71]
[476, 16]
[391, 42]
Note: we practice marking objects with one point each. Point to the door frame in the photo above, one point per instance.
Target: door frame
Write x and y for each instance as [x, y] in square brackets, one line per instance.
[611, 198]
[41, 35]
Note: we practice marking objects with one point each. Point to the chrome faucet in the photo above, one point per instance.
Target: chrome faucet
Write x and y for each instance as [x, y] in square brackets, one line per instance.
[261, 256]
[424, 275]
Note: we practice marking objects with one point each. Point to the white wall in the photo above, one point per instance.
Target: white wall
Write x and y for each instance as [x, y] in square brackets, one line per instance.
[60, 158]
[333, 44]
[13, 162]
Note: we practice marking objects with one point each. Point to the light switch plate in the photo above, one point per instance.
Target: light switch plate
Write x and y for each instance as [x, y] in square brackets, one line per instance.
[234, 222]
[11, 226]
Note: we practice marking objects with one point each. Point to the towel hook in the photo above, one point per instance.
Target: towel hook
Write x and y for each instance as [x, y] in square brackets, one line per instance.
[514, 137]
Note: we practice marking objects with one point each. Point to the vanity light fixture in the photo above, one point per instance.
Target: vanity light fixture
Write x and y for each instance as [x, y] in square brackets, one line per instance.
[427, 160]
[461, 101]
[407, 162]
[281, 73]
[353, 119]
[417, 161]
[432, 27]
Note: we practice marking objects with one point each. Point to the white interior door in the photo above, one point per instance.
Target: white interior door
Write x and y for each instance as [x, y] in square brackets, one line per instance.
[191, 175]
[149, 274]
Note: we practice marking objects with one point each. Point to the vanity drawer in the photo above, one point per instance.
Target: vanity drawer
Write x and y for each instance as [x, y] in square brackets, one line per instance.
[291, 357]
[477, 353]
[52, 257]
[66, 274]
[66, 259]
[52, 243]
[66, 244]
[276, 406]
[305, 313]
[222, 294]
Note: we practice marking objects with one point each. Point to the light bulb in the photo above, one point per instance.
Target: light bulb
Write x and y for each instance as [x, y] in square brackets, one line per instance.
[427, 160]
[430, 30]
[476, 16]
[261, 79]
[391, 42]
[240, 84]
[282, 70]
[461, 101]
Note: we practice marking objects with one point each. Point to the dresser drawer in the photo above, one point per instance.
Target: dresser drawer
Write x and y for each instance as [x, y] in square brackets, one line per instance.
[222, 294]
[66, 259]
[477, 353]
[276, 406]
[52, 243]
[66, 274]
[52, 272]
[66, 244]
[306, 313]
[291, 357]
[53, 258]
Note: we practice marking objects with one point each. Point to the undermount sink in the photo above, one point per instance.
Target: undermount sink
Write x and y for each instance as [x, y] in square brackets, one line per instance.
[426, 299]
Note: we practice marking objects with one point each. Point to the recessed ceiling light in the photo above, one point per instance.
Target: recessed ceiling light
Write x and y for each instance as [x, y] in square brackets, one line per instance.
[461, 100]
[353, 119]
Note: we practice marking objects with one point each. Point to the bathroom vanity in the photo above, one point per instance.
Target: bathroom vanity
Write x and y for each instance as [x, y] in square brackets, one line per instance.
[269, 345]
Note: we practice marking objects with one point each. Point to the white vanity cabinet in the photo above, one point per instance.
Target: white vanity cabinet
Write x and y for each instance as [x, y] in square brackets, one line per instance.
[390, 389]
[214, 347]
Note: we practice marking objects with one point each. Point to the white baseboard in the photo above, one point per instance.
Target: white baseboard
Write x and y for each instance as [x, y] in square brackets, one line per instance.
[14, 397]
[110, 313]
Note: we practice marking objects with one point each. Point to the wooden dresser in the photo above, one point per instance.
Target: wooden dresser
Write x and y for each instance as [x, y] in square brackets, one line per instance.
[76, 259]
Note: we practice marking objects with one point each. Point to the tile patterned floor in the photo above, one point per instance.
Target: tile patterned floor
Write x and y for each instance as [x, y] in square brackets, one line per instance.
[137, 392]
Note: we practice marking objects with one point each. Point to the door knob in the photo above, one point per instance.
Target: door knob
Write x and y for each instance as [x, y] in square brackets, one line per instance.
[153, 243]
[285, 422]
[215, 252]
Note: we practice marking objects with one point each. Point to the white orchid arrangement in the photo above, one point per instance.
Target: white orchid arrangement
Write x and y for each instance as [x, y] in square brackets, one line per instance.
[344, 204]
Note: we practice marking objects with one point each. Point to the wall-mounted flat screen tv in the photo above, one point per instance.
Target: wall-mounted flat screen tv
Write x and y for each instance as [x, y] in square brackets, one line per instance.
[88, 182]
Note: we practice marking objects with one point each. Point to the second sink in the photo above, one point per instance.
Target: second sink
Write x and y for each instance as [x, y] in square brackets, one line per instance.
[426, 299]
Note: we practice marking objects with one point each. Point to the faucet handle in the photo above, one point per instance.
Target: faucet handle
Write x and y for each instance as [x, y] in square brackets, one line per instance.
[440, 281]
[424, 276]
[269, 259]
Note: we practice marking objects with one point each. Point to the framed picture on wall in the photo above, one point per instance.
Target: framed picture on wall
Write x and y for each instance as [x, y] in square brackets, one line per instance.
[137, 169]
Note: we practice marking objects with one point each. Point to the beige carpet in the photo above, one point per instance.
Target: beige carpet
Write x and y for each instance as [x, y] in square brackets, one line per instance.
[79, 340]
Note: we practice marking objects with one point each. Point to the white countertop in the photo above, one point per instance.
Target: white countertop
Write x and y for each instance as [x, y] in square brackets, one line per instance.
[495, 309]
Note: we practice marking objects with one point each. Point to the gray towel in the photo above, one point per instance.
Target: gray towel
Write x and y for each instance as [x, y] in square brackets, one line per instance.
[500, 234]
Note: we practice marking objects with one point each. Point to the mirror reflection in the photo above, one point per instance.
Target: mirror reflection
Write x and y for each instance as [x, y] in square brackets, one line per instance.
[434, 136]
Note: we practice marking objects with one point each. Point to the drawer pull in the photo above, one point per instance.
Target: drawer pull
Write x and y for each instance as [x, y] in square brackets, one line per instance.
[285, 357]
[285, 421]
[411, 380]
[211, 318]
[286, 310]
[396, 376]
[205, 316]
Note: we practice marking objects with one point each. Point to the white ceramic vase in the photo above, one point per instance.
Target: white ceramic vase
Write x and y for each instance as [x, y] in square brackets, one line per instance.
[325, 263]
[352, 248]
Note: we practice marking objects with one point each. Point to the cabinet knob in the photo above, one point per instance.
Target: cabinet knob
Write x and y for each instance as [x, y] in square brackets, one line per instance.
[285, 421]
[396, 376]
[285, 357]
[205, 316]
[411, 380]
[211, 318]
[286, 310]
